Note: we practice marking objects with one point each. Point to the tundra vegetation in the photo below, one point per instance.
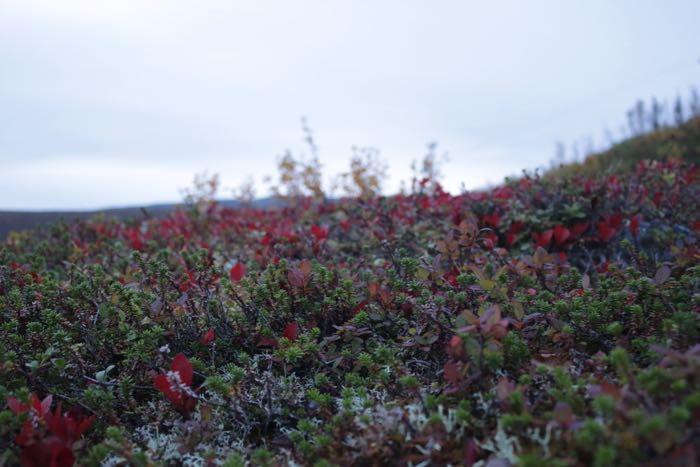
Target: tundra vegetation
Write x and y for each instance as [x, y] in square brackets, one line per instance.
[549, 321]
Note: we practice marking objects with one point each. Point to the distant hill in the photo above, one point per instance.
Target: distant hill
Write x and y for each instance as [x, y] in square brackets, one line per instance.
[22, 220]
[681, 141]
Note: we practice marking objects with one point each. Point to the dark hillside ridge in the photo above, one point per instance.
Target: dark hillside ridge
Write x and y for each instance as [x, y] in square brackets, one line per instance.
[23, 220]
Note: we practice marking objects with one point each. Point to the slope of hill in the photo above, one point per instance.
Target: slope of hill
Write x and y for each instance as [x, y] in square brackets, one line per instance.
[681, 141]
[546, 322]
[22, 220]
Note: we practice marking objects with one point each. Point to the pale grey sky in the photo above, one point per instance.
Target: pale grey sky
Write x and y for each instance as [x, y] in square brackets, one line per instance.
[109, 103]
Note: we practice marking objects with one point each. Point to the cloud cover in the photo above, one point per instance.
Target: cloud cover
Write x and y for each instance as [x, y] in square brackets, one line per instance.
[110, 103]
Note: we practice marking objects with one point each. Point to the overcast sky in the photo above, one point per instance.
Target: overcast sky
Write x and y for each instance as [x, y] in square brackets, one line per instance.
[112, 103]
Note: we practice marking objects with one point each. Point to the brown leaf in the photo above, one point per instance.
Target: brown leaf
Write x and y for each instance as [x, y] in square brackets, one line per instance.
[468, 231]
[541, 257]
[470, 317]
[296, 278]
[156, 306]
[305, 267]
[662, 275]
[518, 310]
[504, 389]
[586, 281]
[451, 372]
[563, 414]
[491, 316]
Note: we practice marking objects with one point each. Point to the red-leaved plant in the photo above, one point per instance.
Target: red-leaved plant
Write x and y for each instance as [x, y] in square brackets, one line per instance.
[208, 337]
[47, 438]
[319, 233]
[291, 331]
[237, 272]
[543, 239]
[176, 385]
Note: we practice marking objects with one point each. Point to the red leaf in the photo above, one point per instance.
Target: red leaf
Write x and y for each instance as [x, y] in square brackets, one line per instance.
[579, 228]
[491, 220]
[543, 239]
[160, 382]
[68, 427]
[47, 453]
[133, 235]
[634, 224]
[489, 240]
[615, 221]
[16, 406]
[359, 307]
[42, 407]
[267, 239]
[183, 366]
[514, 229]
[561, 234]
[177, 387]
[291, 331]
[603, 267]
[208, 337]
[187, 284]
[237, 272]
[470, 453]
[320, 233]
[268, 342]
[605, 231]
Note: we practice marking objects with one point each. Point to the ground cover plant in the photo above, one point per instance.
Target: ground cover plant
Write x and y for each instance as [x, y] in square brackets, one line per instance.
[548, 321]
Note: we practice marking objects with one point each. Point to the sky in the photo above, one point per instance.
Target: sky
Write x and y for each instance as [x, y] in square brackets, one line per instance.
[121, 103]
